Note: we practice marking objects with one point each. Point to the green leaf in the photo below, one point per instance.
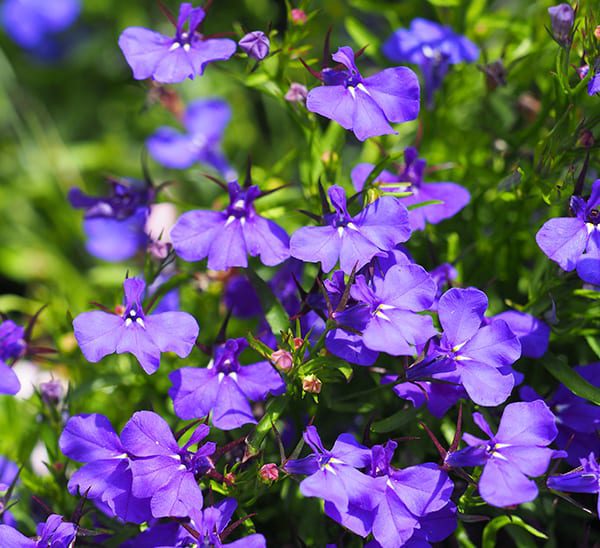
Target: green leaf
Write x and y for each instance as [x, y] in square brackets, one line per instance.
[362, 36]
[445, 3]
[395, 422]
[558, 368]
[423, 204]
[274, 410]
[274, 312]
[594, 344]
[491, 529]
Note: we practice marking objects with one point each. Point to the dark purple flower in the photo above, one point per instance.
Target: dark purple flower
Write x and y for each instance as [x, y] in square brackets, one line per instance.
[106, 477]
[224, 387]
[562, 17]
[172, 60]
[431, 46]
[480, 356]
[256, 44]
[114, 225]
[33, 23]
[518, 451]
[354, 241]
[333, 475]
[143, 335]
[584, 479]
[228, 237]
[205, 121]
[161, 469]
[12, 346]
[574, 242]
[53, 533]
[453, 197]
[365, 105]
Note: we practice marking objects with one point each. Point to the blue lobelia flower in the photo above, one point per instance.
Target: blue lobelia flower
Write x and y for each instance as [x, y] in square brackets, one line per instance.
[562, 17]
[228, 237]
[54, 532]
[333, 475]
[574, 242]
[224, 387]
[33, 24]
[170, 60]
[353, 240]
[453, 197]
[365, 105]
[161, 469]
[106, 477]
[204, 121]
[144, 335]
[479, 357]
[12, 346]
[584, 479]
[518, 451]
[114, 224]
[431, 46]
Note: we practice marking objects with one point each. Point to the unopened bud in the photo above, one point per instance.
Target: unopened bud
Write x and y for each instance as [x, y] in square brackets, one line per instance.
[298, 342]
[282, 359]
[256, 44]
[586, 139]
[562, 17]
[311, 384]
[298, 16]
[297, 93]
[229, 478]
[119, 310]
[51, 392]
[269, 472]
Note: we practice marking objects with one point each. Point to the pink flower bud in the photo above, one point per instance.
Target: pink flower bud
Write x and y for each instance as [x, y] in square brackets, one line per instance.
[298, 16]
[298, 342]
[269, 472]
[311, 384]
[282, 359]
[297, 93]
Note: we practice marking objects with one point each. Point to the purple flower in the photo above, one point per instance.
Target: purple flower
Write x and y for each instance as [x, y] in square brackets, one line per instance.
[228, 237]
[256, 44]
[516, 452]
[584, 479]
[114, 225]
[8, 472]
[213, 521]
[594, 83]
[224, 387]
[574, 242]
[410, 179]
[333, 475]
[172, 60]
[533, 333]
[431, 46]
[204, 121]
[365, 105]
[562, 17]
[106, 477]
[145, 336]
[53, 533]
[354, 241]
[480, 356]
[12, 346]
[33, 23]
[161, 469]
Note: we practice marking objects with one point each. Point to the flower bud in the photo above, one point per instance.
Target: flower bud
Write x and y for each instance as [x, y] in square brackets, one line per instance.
[298, 16]
[282, 359]
[256, 44]
[269, 472]
[311, 384]
[51, 392]
[298, 342]
[297, 93]
[562, 17]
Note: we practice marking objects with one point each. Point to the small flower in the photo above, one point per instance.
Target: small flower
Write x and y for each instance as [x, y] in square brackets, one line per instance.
[228, 237]
[54, 532]
[312, 384]
[298, 16]
[365, 105]
[518, 450]
[269, 472]
[296, 94]
[562, 17]
[574, 242]
[12, 346]
[172, 60]
[433, 47]
[205, 121]
[453, 197]
[353, 240]
[282, 359]
[143, 335]
[255, 44]
[224, 387]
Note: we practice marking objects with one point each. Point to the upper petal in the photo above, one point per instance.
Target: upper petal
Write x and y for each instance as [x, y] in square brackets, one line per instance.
[527, 423]
[461, 313]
